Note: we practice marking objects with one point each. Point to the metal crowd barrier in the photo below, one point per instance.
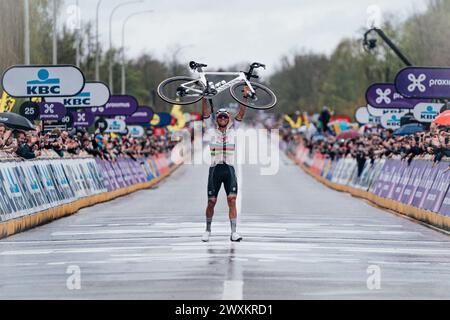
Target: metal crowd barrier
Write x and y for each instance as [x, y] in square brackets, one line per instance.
[29, 187]
[419, 189]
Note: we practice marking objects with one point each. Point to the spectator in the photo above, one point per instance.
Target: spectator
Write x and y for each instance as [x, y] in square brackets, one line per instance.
[78, 143]
[324, 118]
[26, 145]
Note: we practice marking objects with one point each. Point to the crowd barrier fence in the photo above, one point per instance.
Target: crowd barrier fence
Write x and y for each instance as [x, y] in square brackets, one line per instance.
[38, 191]
[419, 189]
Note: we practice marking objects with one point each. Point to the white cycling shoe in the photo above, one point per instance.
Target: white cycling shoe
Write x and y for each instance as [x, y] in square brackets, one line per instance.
[235, 237]
[206, 235]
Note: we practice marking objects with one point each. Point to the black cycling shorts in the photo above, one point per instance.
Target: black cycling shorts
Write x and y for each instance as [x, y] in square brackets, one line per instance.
[222, 173]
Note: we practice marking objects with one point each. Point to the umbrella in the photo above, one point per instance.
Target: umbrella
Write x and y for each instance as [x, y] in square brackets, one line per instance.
[443, 119]
[408, 129]
[349, 134]
[15, 121]
[302, 129]
[318, 137]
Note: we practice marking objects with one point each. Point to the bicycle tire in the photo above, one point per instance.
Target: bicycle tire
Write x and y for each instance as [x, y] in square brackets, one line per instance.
[268, 102]
[174, 99]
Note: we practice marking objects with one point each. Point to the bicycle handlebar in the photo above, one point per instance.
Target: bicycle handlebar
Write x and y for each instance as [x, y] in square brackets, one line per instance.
[194, 65]
[253, 66]
[256, 65]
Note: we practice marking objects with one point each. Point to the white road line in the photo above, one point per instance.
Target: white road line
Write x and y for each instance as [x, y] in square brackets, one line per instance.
[233, 290]
[111, 231]
[240, 196]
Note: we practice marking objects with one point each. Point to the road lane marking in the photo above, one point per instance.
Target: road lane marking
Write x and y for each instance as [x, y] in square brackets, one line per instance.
[233, 290]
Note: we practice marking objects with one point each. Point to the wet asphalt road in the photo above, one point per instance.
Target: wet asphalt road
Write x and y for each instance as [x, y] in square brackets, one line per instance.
[301, 241]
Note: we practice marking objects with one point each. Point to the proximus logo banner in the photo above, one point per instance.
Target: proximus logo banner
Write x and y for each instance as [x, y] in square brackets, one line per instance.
[421, 82]
[385, 96]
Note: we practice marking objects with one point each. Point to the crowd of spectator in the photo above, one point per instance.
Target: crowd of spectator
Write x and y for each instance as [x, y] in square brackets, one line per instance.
[61, 143]
[374, 142]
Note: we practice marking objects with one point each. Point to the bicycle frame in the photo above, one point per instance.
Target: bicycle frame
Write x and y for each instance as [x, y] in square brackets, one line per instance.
[240, 76]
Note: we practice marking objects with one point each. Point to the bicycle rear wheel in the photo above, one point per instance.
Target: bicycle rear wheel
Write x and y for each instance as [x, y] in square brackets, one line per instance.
[263, 98]
[181, 90]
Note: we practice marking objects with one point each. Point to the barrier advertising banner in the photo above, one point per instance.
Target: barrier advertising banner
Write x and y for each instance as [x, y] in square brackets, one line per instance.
[402, 182]
[399, 172]
[31, 186]
[417, 170]
[437, 191]
[425, 183]
[445, 207]
[420, 183]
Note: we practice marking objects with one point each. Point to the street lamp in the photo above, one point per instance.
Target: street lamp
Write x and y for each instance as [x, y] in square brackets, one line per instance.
[370, 43]
[55, 39]
[110, 40]
[26, 38]
[78, 35]
[123, 45]
[370, 40]
[97, 45]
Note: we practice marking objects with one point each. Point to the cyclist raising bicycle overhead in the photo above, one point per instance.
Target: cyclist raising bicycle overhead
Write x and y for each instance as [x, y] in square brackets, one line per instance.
[222, 144]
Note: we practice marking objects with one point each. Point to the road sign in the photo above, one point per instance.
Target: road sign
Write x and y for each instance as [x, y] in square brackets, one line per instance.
[43, 81]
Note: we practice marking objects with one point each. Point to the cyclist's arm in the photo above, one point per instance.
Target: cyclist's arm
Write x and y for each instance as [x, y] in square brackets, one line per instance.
[205, 110]
[240, 115]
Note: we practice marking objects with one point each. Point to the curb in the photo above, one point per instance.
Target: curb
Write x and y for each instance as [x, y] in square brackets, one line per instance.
[429, 218]
[14, 226]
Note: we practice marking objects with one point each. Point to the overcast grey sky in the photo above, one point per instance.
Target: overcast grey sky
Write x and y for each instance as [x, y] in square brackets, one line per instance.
[222, 33]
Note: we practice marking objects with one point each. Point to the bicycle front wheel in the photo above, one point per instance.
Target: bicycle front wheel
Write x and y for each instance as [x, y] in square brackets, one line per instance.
[181, 90]
[263, 98]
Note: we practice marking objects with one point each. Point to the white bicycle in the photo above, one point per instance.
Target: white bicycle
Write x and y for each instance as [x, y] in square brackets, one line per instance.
[186, 90]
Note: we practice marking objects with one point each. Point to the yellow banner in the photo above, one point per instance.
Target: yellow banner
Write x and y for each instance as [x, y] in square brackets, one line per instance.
[292, 123]
[177, 112]
[155, 121]
[7, 102]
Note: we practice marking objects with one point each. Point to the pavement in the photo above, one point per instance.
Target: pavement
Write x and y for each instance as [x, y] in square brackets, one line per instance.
[301, 241]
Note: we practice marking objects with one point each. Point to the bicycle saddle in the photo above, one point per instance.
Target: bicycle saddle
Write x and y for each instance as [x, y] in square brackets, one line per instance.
[194, 65]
